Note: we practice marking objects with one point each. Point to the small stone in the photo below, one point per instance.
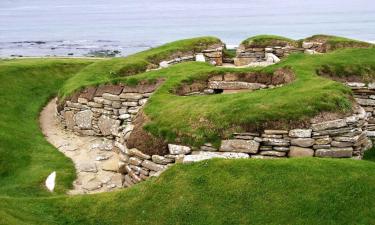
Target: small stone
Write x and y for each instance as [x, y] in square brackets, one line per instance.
[111, 97]
[273, 153]
[83, 119]
[300, 152]
[341, 144]
[153, 166]
[124, 116]
[131, 96]
[143, 101]
[329, 125]
[139, 154]
[69, 119]
[275, 142]
[303, 142]
[275, 132]
[161, 160]
[323, 141]
[300, 133]
[234, 145]
[178, 149]
[130, 104]
[335, 152]
[281, 149]
[95, 105]
[82, 100]
[135, 161]
[108, 125]
[87, 167]
[110, 165]
[321, 146]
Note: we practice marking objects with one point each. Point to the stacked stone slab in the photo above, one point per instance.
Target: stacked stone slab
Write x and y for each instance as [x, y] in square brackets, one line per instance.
[213, 55]
[364, 95]
[247, 55]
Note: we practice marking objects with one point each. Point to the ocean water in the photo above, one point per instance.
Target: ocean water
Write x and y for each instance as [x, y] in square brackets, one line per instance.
[77, 27]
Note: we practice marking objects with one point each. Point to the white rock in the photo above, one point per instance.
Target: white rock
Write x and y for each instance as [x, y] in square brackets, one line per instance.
[50, 181]
[178, 149]
[272, 58]
[200, 58]
[164, 64]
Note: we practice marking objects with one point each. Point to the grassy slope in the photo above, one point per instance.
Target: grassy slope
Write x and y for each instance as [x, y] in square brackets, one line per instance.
[302, 99]
[24, 153]
[264, 40]
[293, 191]
[107, 70]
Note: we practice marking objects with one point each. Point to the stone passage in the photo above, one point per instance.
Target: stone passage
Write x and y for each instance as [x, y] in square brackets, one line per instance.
[237, 82]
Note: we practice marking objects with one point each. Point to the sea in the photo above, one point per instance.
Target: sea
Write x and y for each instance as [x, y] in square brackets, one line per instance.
[85, 27]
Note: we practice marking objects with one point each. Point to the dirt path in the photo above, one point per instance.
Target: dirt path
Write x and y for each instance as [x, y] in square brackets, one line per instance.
[95, 162]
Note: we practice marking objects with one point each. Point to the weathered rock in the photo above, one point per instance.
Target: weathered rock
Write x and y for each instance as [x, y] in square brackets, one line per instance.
[202, 155]
[83, 119]
[365, 102]
[111, 97]
[69, 119]
[139, 154]
[131, 96]
[307, 44]
[153, 166]
[247, 146]
[341, 144]
[275, 131]
[200, 58]
[273, 153]
[281, 149]
[303, 142]
[135, 161]
[234, 85]
[87, 167]
[111, 165]
[300, 133]
[107, 125]
[334, 152]
[275, 142]
[329, 125]
[300, 152]
[161, 160]
[95, 104]
[178, 149]
[323, 141]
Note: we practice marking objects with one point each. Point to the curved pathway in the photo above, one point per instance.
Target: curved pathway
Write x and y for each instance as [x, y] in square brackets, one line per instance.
[95, 162]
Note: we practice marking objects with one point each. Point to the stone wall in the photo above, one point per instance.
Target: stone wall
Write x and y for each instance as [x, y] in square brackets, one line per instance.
[272, 54]
[109, 110]
[213, 55]
[364, 95]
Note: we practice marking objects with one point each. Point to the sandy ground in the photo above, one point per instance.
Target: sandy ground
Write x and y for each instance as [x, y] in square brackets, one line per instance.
[95, 162]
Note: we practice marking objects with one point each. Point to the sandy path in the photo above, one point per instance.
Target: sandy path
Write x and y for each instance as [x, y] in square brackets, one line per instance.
[95, 163]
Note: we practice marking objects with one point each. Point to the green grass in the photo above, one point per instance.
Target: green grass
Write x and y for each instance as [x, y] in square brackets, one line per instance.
[335, 42]
[106, 70]
[290, 191]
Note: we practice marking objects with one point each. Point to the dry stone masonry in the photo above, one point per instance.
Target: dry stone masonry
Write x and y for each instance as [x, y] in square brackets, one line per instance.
[273, 54]
[109, 110]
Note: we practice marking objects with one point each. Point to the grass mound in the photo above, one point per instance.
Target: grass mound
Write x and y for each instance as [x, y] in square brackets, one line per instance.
[104, 71]
[262, 41]
[334, 42]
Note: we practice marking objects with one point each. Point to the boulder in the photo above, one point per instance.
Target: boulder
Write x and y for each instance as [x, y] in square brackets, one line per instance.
[295, 152]
[300, 133]
[178, 149]
[83, 119]
[303, 142]
[234, 145]
[335, 152]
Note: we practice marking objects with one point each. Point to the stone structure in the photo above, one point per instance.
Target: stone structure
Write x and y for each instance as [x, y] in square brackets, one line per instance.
[109, 110]
[273, 54]
[213, 55]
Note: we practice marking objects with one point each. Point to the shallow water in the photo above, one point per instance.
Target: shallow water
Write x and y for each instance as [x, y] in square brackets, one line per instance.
[80, 26]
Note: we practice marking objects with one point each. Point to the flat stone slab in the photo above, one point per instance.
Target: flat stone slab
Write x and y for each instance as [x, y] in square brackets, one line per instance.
[234, 145]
